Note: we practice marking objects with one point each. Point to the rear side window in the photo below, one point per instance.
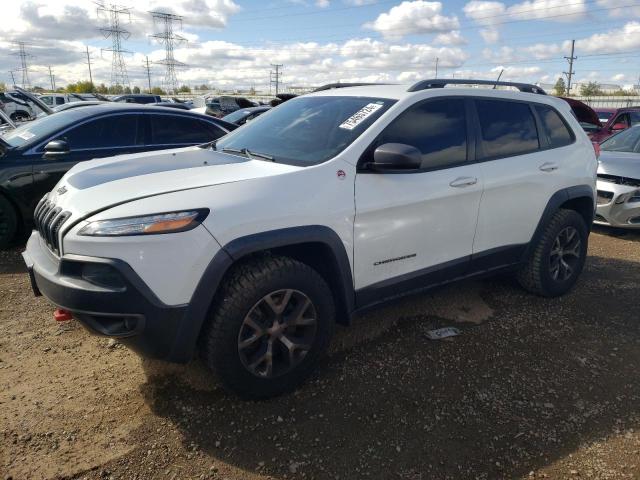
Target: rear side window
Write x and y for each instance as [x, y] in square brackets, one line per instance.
[437, 128]
[111, 131]
[175, 129]
[507, 128]
[556, 130]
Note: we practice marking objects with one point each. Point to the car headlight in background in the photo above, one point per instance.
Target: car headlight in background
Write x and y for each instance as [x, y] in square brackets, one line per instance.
[171, 222]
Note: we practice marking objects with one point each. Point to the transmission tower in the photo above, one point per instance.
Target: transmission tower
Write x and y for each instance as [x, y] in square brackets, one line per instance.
[169, 39]
[275, 76]
[24, 68]
[117, 33]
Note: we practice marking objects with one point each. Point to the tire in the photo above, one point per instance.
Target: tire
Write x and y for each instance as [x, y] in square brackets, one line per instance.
[20, 116]
[559, 256]
[8, 223]
[244, 321]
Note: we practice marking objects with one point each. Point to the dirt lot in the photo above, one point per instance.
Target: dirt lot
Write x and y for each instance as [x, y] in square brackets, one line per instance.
[533, 388]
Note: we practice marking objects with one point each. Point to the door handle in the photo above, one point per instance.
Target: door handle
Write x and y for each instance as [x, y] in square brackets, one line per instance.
[463, 182]
[548, 167]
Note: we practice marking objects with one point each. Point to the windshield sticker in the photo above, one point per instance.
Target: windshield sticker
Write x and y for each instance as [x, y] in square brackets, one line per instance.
[360, 116]
[27, 135]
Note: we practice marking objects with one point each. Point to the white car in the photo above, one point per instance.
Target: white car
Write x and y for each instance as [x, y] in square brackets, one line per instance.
[248, 250]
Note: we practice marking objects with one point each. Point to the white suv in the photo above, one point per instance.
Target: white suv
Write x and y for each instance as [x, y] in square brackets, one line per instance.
[249, 249]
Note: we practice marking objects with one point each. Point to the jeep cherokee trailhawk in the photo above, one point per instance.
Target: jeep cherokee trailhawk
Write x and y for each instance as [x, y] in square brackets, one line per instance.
[248, 250]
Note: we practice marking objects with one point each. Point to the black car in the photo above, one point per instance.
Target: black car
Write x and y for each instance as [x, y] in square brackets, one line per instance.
[138, 98]
[244, 115]
[35, 155]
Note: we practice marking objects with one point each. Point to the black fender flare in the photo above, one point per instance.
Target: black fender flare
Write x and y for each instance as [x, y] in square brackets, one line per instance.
[202, 298]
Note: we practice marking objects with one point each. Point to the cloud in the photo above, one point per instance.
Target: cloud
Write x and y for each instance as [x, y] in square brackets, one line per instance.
[490, 35]
[619, 8]
[413, 17]
[451, 38]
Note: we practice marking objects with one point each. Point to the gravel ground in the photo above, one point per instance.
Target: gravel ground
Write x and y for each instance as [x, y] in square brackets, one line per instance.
[532, 388]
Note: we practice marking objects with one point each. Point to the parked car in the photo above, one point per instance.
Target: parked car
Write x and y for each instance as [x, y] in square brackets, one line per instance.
[178, 105]
[620, 119]
[253, 247]
[619, 180]
[55, 99]
[244, 115]
[138, 98]
[37, 154]
[586, 116]
[18, 109]
[225, 105]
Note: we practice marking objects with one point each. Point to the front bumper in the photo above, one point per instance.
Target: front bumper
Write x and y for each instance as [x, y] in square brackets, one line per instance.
[123, 307]
[614, 206]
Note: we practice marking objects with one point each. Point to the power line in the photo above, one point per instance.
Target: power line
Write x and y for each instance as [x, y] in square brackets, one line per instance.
[571, 72]
[274, 77]
[169, 40]
[148, 69]
[51, 77]
[89, 64]
[117, 34]
[24, 68]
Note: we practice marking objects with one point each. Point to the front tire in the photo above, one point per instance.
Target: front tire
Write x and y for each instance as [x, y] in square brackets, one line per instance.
[559, 256]
[270, 324]
[8, 223]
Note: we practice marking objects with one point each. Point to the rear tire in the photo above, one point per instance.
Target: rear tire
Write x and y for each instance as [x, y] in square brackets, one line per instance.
[559, 256]
[270, 324]
[20, 116]
[8, 223]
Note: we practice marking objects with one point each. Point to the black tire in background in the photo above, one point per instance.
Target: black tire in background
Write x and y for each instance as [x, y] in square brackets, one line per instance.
[242, 324]
[8, 223]
[20, 116]
[559, 256]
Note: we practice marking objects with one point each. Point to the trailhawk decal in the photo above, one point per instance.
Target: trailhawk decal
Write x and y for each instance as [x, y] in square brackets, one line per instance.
[360, 116]
[396, 259]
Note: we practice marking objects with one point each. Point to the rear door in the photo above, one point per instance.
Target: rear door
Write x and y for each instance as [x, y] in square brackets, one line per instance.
[166, 130]
[105, 136]
[522, 168]
[416, 228]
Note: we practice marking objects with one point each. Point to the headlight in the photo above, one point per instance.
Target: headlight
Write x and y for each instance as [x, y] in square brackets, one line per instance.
[148, 225]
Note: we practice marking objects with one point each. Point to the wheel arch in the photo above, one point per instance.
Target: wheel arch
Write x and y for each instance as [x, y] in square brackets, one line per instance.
[315, 245]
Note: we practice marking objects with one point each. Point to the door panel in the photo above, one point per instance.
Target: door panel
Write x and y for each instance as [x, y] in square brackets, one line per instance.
[410, 222]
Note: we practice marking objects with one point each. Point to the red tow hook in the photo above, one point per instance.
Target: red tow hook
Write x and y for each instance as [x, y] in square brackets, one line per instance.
[61, 315]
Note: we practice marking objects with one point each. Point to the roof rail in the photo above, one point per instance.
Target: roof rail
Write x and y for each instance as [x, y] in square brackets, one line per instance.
[442, 82]
[330, 86]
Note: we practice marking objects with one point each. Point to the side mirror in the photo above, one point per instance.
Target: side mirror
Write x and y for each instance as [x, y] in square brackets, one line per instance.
[619, 126]
[396, 157]
[56, 148]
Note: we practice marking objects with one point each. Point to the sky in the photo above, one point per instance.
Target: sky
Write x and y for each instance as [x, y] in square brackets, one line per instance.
[232, 43]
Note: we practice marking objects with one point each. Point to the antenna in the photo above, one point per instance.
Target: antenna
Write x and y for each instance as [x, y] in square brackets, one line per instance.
[117, 34]
[498, 79]
[169, 40]
[22, 53]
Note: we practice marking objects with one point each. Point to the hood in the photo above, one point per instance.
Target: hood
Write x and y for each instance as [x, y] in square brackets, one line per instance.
[621, 164]
[583, 112]
[99, 184]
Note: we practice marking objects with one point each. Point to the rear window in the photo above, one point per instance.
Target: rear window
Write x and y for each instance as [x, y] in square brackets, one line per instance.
[507, 128]
[556, 130]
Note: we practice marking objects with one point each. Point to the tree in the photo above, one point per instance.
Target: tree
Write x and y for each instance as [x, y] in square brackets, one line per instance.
[102, 88]
[560, 88]
[127, 89]
[3, 86]
[136, 89]
[184, 89]
[590, 89]
[157, 91]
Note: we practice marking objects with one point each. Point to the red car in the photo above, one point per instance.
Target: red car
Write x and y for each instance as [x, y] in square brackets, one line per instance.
[614, 120]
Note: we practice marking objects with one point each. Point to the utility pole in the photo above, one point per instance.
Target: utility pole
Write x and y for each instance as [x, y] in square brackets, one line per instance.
[571, 72]
[437, 59]
[117, 34]
[169, 40]
[53, 82]
[89, 63]
[148, 69]
[13, 79]
[274, 78]
[22, 53]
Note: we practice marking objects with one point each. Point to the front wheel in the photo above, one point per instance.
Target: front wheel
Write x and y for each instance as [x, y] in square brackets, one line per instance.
[270, 324]
[558, 257]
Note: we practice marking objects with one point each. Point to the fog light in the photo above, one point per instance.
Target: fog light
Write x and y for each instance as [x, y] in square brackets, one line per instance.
[103, 276]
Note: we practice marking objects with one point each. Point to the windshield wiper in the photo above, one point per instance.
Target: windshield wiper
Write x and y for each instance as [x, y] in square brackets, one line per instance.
[249, 153]
[211, 145]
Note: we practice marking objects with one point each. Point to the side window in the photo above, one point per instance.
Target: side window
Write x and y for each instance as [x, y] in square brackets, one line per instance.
[176, 129]
[556, 130]
[635, 118]
[111, 131]
[437, 128]
[48, 100]
[59, 101]
[507, 128]
[622, 118]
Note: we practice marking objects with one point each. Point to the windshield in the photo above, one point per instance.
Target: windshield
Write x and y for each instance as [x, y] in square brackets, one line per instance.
[626, 141]
[307, 130]
[42, 127]
[604, 116]
[235, 116]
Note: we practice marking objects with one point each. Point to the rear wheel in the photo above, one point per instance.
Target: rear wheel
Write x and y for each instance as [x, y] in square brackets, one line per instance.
[20, 116]
[270, 324]
[558, 258]
[8, 223]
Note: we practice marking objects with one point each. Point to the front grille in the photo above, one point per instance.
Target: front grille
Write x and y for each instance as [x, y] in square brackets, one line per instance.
[48, 220]
[604, 197]
[630, 182]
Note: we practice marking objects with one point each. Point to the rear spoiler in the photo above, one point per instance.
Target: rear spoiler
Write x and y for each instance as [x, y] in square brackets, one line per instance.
[41, 105]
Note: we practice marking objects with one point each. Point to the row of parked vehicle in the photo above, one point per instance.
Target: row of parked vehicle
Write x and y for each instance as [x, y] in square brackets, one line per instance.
[248, 245]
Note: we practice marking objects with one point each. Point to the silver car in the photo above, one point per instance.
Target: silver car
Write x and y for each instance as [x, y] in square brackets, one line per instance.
[619, 180]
